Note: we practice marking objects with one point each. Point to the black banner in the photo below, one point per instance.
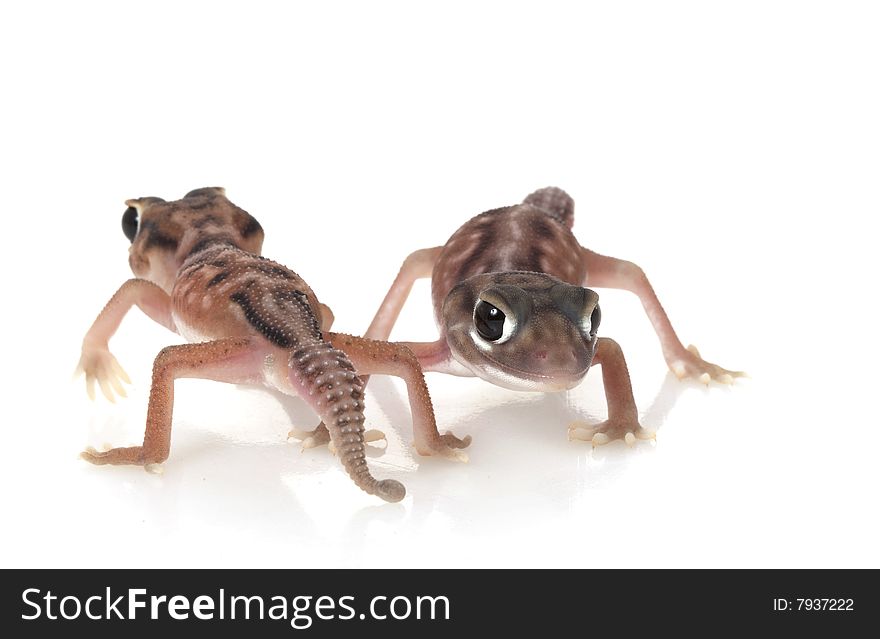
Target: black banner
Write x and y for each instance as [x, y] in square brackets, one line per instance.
[290, 603]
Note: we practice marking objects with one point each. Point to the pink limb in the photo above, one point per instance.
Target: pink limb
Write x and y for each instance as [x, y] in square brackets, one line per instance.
[623, 416]
[384, 358]
[96, 361]
[233, 360]
[610, 272]
[418, 265]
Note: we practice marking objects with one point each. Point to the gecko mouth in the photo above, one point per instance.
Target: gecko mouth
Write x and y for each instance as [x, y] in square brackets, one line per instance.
[560, 379]
[480, 361]
[531, 374]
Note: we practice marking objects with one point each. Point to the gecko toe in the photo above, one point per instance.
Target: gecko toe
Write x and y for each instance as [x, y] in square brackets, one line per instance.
[441, 449]
[457, 455]
[449, 439]
[689, 364]
[373, 435]
[600, 439]
[628, 430]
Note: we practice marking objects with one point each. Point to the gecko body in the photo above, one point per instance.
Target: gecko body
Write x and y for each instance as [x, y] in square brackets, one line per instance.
[249, 320]
[511, 304]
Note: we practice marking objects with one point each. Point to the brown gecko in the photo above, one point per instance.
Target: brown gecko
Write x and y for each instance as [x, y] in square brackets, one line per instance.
[509, 300]
[248, 320]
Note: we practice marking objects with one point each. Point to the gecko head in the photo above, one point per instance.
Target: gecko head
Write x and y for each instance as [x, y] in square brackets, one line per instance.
[163, 234]
[522, 330]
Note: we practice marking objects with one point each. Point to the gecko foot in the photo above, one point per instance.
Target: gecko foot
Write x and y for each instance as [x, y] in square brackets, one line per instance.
[446, 445]
[690, 364]
[99, 365]
[371, 435]
[608, 431]
[131, 455]
[320, 436]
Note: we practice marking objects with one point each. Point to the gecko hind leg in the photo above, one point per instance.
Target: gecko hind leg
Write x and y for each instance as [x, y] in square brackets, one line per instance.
[232, 360]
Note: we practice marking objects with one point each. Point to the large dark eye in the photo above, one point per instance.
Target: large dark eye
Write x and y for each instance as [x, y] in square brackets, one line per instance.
[595, 318]
[130, 223]
[489, 321]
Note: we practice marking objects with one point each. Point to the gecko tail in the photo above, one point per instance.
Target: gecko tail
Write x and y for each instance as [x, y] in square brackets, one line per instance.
[334, 390]
[554, 201]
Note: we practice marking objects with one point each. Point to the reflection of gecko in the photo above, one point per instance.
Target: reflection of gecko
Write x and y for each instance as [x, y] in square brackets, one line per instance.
[510, 304]
[249, 320]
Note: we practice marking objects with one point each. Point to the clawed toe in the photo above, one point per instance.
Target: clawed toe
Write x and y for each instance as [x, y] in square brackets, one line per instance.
[456, 455]
[310, 438]
[446, 445]
[91, 455]
[609, 431]
[102, 370]
[130, 455]
[691, 365]
[373, 435]
[454, 442]
[452, 452]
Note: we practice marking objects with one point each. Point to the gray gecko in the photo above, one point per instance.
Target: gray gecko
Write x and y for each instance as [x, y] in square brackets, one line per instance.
[249, 320]
[510, 303]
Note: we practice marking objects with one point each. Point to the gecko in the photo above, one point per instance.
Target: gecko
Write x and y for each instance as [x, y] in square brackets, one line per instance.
[510, 298]
[247, 320]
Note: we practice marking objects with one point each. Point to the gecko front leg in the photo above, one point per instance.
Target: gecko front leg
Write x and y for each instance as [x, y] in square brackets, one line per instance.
[96, 360]
[417, 265]
[623, 416]
[385, 358]
[233, 360]
[610, 272]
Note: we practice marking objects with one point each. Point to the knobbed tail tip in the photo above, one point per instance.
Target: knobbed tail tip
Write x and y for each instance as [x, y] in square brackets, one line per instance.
[555, 201]
[390, 490]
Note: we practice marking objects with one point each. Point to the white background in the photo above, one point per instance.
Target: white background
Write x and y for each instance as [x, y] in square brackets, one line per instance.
[729, 149]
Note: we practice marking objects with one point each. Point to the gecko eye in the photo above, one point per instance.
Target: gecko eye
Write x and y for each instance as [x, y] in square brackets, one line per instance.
[130, 223]
[489, 321]
[595, 318]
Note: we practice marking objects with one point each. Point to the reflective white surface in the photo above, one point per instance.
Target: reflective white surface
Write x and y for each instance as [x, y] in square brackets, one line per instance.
[732, 155]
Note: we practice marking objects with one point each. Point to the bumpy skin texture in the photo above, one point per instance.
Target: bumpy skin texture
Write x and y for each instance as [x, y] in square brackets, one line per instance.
[249, 320]
[525, 262]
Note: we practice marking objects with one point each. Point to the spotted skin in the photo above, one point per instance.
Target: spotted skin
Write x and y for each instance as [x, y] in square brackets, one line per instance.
[248, 320]
[515, 238]
[525, 261]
